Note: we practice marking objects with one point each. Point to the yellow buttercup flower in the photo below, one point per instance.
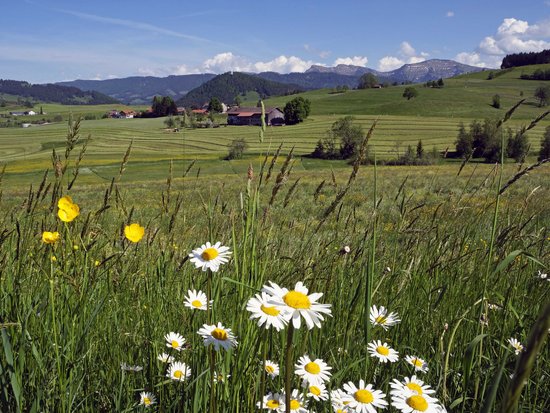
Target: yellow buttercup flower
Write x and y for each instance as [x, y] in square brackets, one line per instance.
[134, 232]
[50, 237]
[67, 209]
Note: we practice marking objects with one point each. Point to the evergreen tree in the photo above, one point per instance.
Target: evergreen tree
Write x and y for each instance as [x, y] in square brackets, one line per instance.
[419, 150]
[463, 143]
[517, 146]
[545, 145]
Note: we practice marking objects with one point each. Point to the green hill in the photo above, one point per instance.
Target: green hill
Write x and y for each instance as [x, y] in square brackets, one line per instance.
[228, 86]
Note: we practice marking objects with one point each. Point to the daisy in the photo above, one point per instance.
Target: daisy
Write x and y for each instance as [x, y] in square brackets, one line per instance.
[266, 313]
[178, 371]
[297, 303]
[363, 399]
[413, 384]
[165, 358]
[417, 363]
[210, 256]
[147, 399]
[271, 369]
[384, 352]
[337, 400]
[314, 372]
[196, 300]
[174, 341]
[272, 401]
[517, 346]
[316, 391]
[218, 335]
[297, 404]
[380, 317]
[220, 378]
[409, 401]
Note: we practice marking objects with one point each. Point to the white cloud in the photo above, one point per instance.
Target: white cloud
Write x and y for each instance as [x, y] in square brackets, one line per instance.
[355, 61]
[450, 14]
[416, 59]
[407, 50]
[512, 26]
[283, 64]
[225, 62]
[388, 63]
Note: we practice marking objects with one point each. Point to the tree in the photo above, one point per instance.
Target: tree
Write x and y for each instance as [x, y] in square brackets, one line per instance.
[542, 93]
[440, 82]
[297, 110]
[164, 106]
[169, 122]
[410, 92]
[419, 150]
[367, 81]
[236, 149]
[545, 145]
[215, 105]
[350, 136]
[517, 146]
[463, 143]
[238, 100]
[496, 101]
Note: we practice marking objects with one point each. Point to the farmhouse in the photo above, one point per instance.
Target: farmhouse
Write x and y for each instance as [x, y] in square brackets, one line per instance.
[253, 116]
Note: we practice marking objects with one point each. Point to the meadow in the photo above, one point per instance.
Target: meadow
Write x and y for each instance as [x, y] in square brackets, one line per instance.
[100, 316]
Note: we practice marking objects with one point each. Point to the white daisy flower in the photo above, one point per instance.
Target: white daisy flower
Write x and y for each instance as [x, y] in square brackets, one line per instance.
[337, 400]
[174, 341]
[266, 313]
[316, 391]
[417, 363]
[272, 401]
[363, 398]
[380, 317]
[297, 403]
[542, 276]
[147, 399]
[409, 401]
[314, 372]
[297, 303]
[129, 367]
[218, 335]
[210, 256]
[165, 358]
[220, 378]
[271, 368]
[516, 345]
[178, 371]
[383, 352]
[413, 384]
[196, 300]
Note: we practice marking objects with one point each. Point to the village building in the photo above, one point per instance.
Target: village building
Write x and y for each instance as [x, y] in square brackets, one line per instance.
[253, 116]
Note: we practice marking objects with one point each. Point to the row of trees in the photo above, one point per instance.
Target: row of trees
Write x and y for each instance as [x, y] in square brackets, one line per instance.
[538, 74]
[524, 59]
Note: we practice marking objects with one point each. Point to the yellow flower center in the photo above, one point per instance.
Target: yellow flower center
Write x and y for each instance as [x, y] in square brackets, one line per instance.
[272, 404]
[297, 300]
[269, 369]
[363, 396]
[178, 374]
[414, 387]
[380, 319]
[383, 350]
[312, 368]
[219, 334]
[295, 404]
[196, 303]
[209, 254]
[269, 310]
[146, 401]
[418, 363]
[315, 390]
[418, 402]
[175, 344]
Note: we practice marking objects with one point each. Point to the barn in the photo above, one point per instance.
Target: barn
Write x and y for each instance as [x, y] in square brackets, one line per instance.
[243, 116]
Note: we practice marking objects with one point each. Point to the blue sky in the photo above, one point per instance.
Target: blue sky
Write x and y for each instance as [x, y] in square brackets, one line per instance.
[55, 40]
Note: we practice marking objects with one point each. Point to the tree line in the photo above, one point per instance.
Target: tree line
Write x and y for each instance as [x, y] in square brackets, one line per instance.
[525, 59]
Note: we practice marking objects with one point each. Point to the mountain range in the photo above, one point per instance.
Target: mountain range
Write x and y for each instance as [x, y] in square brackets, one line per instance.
[141, 90]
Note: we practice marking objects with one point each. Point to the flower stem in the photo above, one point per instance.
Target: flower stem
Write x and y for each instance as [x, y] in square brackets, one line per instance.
[288, 365]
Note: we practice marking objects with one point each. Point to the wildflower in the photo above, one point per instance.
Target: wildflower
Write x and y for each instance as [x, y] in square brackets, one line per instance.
[316, 391]
[314, 372]
[516, 345]
[220, 378]
[147, 399]
[133, 369]
[178, 371]
[53, 258]
[337, 400]
[266, 313]
[297, 303]
[409, 401]
[297, 404]
[134, 232]
[218, 335]
[68, 210]
[413, 384]
[76, 247]
[383, 352]
[272, 401]
[362, 399]
[417, 363]
[542, 276]
[50, 237]
[165, 358]
[271, 368]
[345, 250]
[380, 317]
[196, 300]
[97, 263]
[174, 341]
[210, 256]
